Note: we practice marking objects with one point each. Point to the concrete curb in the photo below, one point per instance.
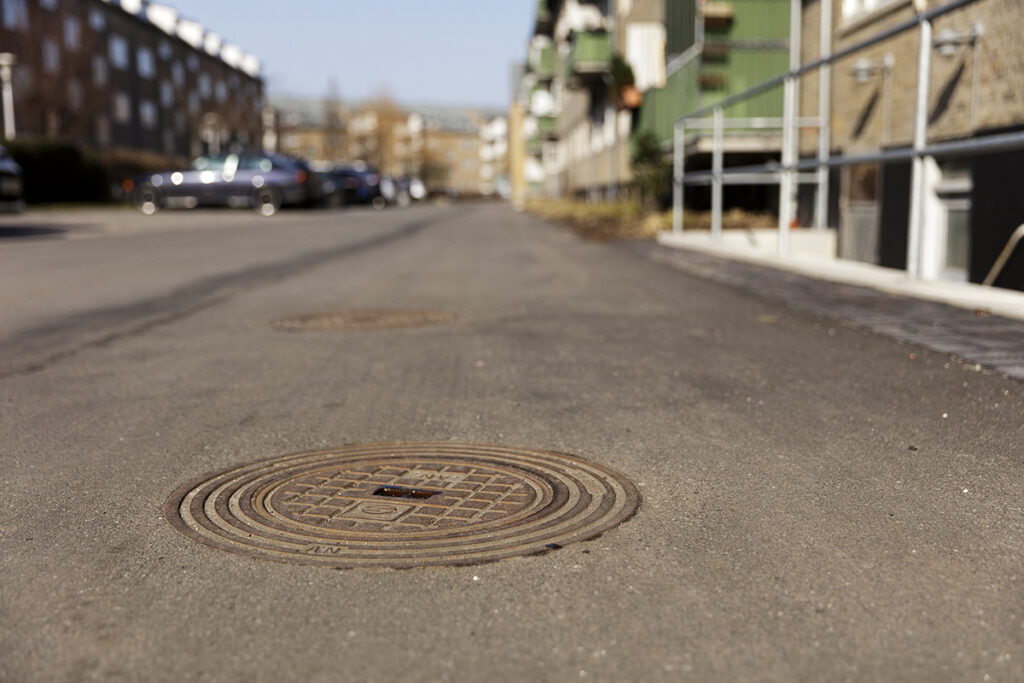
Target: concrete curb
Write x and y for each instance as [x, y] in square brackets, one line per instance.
[808, 258]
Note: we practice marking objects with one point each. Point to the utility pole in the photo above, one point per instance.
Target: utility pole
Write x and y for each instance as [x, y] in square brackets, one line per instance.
[7, 61]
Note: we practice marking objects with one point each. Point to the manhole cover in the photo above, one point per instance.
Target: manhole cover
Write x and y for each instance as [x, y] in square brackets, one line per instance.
[361, 320]
[402, 505]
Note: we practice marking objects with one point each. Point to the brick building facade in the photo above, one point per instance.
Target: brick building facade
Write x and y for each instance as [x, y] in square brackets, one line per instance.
[131, 75]
[976, 88]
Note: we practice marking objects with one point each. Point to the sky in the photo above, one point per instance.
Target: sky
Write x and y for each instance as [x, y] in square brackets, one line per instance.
[457, 52]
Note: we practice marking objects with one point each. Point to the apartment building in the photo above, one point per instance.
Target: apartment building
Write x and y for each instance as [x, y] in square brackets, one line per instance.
[454, 150]
[131, 74]
[600, 73]
[975, 79]
[579, 89]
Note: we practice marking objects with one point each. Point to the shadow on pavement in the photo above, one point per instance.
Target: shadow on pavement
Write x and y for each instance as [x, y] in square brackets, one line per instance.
[30, 231]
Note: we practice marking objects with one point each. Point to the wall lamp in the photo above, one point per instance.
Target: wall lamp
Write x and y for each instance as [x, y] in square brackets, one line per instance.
[864, 69]
[948, 40]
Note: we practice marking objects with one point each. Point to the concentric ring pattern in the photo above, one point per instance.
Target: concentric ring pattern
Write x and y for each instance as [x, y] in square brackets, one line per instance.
[402, 505]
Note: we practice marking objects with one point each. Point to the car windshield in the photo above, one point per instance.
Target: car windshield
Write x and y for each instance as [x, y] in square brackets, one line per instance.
[208, 164]
[255, 163]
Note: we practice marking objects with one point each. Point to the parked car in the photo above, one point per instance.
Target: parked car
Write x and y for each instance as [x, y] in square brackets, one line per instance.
[358, 184]
[265, 182]
[12, 197]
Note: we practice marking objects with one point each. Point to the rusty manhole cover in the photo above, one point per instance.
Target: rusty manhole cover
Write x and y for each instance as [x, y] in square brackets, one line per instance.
[374, 319]
[402, 505]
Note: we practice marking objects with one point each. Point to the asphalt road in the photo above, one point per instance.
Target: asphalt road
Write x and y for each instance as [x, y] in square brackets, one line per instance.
[819, 502]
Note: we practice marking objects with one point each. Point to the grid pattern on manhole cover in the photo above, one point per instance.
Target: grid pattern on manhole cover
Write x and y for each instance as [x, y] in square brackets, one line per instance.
[370, 319]
[402, 505]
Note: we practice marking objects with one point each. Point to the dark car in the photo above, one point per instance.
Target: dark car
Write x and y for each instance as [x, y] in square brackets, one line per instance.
[265, 182]
[11, 189]
[357, 185]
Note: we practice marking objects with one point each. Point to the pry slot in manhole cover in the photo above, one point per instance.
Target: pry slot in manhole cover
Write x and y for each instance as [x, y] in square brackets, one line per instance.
[372, 319]
[403, 505]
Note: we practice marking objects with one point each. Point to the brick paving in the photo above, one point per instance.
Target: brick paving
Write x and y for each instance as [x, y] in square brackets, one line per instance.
[992, 341]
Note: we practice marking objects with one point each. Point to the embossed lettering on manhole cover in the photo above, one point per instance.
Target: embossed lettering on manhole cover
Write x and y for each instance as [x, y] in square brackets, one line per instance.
[403, 505]
[362, 320]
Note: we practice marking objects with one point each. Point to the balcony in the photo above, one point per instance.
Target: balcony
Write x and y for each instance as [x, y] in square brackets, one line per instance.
[547, 127]
[717, 15]
[542, 62]
[591, 54]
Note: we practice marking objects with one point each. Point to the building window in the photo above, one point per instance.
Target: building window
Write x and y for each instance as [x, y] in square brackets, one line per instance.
[51, 56]
[164, 50]
[145, 63]
[75, 94]
[855, 8]
[169, 142]
[166, 94]
[122, 107]
[147, 114]
[193, 103]
[102, 130]
[221, 92]
[97, 21]
[204, 86]
[178, 74]
[118, 52]
[48, 4]
[193, 63]
[72, 34]
[15, 14]
[99, 70]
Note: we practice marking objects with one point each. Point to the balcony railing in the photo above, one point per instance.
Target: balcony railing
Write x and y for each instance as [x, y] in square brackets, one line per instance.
[542, 62]
[591, 54]
[547, 127]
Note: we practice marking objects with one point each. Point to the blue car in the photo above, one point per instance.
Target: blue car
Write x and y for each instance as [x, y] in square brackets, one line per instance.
[11, 189]
[264, 182]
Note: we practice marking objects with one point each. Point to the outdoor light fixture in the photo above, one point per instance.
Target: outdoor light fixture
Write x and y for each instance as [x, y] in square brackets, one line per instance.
[7, 62]
[948, 40]
[864, 69]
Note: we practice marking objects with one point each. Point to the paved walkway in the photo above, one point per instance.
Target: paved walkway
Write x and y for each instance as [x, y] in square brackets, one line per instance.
[973, 334]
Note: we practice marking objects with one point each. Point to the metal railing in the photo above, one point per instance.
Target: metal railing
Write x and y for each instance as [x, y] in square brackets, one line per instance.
[788, 174]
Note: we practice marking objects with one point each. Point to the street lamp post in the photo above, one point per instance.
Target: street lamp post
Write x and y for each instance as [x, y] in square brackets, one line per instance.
[7, 61]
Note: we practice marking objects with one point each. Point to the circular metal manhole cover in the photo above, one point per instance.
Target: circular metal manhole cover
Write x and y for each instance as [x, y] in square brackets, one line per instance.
[362, 320]
[403, 505]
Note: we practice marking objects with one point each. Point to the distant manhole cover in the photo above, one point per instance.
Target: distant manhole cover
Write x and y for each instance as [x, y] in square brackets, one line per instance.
[402, 505]
[362, 320]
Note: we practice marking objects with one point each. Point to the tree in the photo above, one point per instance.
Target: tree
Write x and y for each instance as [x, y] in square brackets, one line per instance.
[652, 170]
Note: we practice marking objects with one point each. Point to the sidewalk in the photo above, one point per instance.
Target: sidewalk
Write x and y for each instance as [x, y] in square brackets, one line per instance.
[981, 325]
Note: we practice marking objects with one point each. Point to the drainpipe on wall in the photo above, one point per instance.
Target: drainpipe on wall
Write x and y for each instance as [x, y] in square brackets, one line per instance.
[916, 226]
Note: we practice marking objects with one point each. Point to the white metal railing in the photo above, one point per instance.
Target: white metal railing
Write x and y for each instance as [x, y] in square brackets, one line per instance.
[788, 173]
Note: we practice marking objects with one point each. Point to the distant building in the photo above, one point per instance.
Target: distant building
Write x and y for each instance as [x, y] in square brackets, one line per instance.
[454, 150]
[131, 75]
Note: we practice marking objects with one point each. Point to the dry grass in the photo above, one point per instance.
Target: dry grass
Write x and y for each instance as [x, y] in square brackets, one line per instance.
[627, 220]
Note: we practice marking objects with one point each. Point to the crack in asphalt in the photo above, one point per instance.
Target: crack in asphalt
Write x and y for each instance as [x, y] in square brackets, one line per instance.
[99, 327]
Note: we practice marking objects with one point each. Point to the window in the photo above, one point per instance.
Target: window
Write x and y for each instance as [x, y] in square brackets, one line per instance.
[15, 14]
[99, 70]
[204, 86]
[102, 129]
[75, 94]
[97, 21]
[118, 50]
[221, 92]
[193, 63]
[147, 114]
[51, 56]
[72, 34]
[122, 107]
[48, 4]
[855, 8]
[164, 50]
[193, 102]
[166, 94]
[145, 63]
[178, 74]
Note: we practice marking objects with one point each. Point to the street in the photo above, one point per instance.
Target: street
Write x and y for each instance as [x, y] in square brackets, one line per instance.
[818, 501]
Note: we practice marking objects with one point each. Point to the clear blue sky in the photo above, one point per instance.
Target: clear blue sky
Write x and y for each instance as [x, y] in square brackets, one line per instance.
[420, 51]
